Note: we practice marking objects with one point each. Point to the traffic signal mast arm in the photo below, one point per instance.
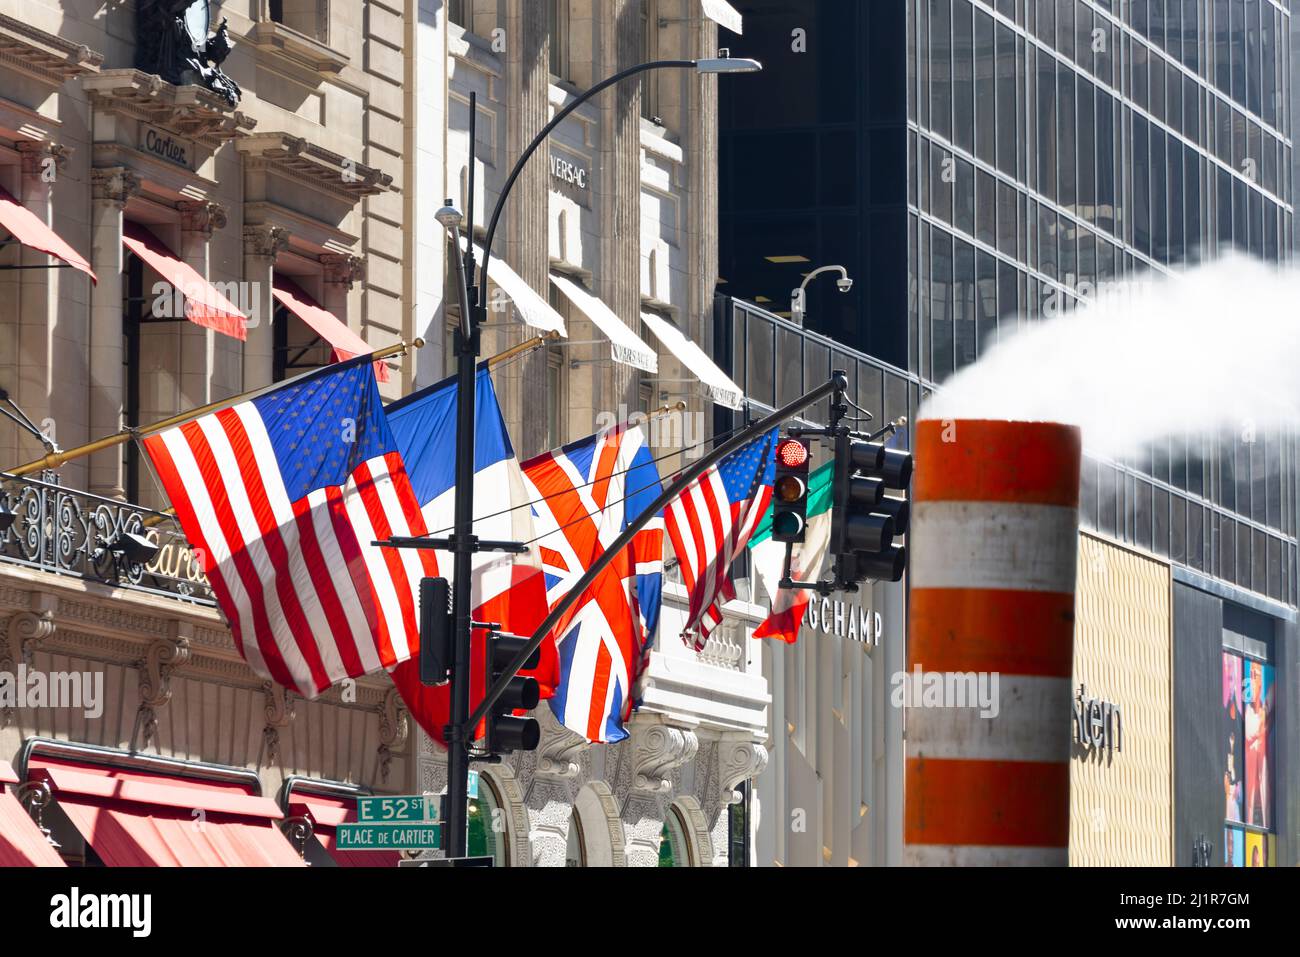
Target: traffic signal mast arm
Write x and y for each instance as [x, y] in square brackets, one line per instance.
[837, 384]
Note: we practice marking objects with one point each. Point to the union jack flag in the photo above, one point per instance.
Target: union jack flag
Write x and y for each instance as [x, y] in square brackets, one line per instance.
[585, 495]
[711, 523]
[281, 497]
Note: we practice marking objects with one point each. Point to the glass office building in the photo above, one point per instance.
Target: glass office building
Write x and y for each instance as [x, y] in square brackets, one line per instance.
[981, 164]
[977, 165]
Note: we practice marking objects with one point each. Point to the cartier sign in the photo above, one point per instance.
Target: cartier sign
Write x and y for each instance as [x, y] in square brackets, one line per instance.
[167, 146]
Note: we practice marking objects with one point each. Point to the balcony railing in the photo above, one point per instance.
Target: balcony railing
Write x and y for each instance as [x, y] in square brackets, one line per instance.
[59, 530]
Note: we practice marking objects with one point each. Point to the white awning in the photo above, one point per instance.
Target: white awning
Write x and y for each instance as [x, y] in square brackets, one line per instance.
[724, 15]
[533, 309]
[717, 384]
[625, 345]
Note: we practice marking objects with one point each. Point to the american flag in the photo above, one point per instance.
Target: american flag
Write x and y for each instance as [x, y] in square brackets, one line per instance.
[585, 495]
[281, 496]
[711, 523]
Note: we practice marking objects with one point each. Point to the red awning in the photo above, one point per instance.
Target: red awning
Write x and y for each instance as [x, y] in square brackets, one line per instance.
[31, 232]
[204, 306]
[326, 814]
[335, 331]
[21, 842]
[139, 819]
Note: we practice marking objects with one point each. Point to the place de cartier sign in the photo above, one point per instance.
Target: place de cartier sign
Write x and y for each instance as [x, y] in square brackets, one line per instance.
[843, 619]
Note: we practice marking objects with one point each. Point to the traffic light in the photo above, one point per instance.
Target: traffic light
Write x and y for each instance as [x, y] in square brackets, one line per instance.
[435, 631]
[864, 520]
[505, 731]
[790, 491]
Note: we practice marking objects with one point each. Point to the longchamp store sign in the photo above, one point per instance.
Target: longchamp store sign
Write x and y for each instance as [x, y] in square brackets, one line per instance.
[841, 619]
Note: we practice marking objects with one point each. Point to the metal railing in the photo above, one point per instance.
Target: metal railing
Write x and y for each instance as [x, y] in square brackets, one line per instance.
[55, 529]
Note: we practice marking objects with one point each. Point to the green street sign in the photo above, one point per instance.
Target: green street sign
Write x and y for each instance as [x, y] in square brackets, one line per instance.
[389, 837]
[398, 809]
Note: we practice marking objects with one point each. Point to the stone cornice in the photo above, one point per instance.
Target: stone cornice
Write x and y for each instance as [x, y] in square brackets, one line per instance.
[191, 111]
[297, 159]
[277, 40]
[42, 55]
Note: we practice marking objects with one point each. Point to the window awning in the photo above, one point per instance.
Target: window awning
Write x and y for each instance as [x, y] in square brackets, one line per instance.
[724, 15]
[140, 819]
[28, 229]
[204, 305]
[326, 814]
[21, 842]
[533, 309]
[625, 345]
[345, 343]
[717, 384]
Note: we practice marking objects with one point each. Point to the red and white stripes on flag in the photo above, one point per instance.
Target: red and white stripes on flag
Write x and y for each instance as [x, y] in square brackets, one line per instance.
[711, 523]
[281, 498]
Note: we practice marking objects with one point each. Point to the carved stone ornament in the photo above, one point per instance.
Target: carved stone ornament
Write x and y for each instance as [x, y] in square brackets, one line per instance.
[739, 759]
[657, 751]
[201, 217]
[114, 184]
[161, 661]
[23, 633]
[394, 729]
[265, 241]
[343, 269]
[38, 156]
[279, 712]
[175, 41]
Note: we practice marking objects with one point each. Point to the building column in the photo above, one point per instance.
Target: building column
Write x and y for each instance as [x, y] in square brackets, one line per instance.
[551, 777]
[38, 291]
[113, 187]
[261, 245]
[197, 343]
[341, 271]
[645, 771]
[727, 759]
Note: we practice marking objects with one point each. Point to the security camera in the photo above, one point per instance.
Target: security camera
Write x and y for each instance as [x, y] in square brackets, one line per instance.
[845, 284]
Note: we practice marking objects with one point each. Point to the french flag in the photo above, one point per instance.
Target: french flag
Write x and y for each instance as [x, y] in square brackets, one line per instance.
[508, 589]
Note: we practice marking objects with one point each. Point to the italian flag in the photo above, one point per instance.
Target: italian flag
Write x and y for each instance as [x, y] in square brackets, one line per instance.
[805, 561]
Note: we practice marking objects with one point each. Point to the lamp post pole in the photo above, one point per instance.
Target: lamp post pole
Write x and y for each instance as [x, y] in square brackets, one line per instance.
[460, 733]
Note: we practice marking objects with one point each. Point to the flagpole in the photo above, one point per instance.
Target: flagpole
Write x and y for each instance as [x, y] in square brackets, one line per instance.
[55, 459]
[837, 382]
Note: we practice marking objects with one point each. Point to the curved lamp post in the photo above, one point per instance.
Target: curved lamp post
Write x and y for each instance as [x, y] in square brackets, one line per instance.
[463, 543]
[799, 298]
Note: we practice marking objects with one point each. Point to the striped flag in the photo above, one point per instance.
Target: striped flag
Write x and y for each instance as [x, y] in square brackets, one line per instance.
[281, 497]
[806, 558]
[711, 523]
[506, 589]
[585, 495]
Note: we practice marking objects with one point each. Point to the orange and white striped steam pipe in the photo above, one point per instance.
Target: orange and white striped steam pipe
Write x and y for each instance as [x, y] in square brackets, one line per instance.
[994, 552]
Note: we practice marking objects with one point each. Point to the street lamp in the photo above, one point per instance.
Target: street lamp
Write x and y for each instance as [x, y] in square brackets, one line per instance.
[473, 315]
[799, 297]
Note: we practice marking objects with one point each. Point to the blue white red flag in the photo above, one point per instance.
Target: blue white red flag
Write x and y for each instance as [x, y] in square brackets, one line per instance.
[507, 589]
[586, 495]
[281, 497]
[711, 523]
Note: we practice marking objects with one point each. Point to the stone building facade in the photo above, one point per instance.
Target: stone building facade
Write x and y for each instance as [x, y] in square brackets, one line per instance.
[319, 186]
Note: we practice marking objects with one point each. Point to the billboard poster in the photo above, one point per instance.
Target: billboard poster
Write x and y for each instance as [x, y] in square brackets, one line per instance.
[1233, 737]
[1257, 703]
[1256, 850]
[1234, 847]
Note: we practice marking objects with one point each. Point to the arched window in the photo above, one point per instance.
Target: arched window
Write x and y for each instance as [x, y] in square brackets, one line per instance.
[674, 845]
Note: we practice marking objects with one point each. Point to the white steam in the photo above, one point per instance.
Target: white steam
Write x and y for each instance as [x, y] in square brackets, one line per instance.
[1216, 347]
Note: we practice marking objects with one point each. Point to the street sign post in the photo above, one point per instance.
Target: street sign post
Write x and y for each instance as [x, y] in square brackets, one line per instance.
[389, 837]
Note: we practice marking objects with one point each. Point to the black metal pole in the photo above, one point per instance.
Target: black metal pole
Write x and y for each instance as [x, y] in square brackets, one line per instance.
[460, 732]
[541, 137]
[838, 382]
